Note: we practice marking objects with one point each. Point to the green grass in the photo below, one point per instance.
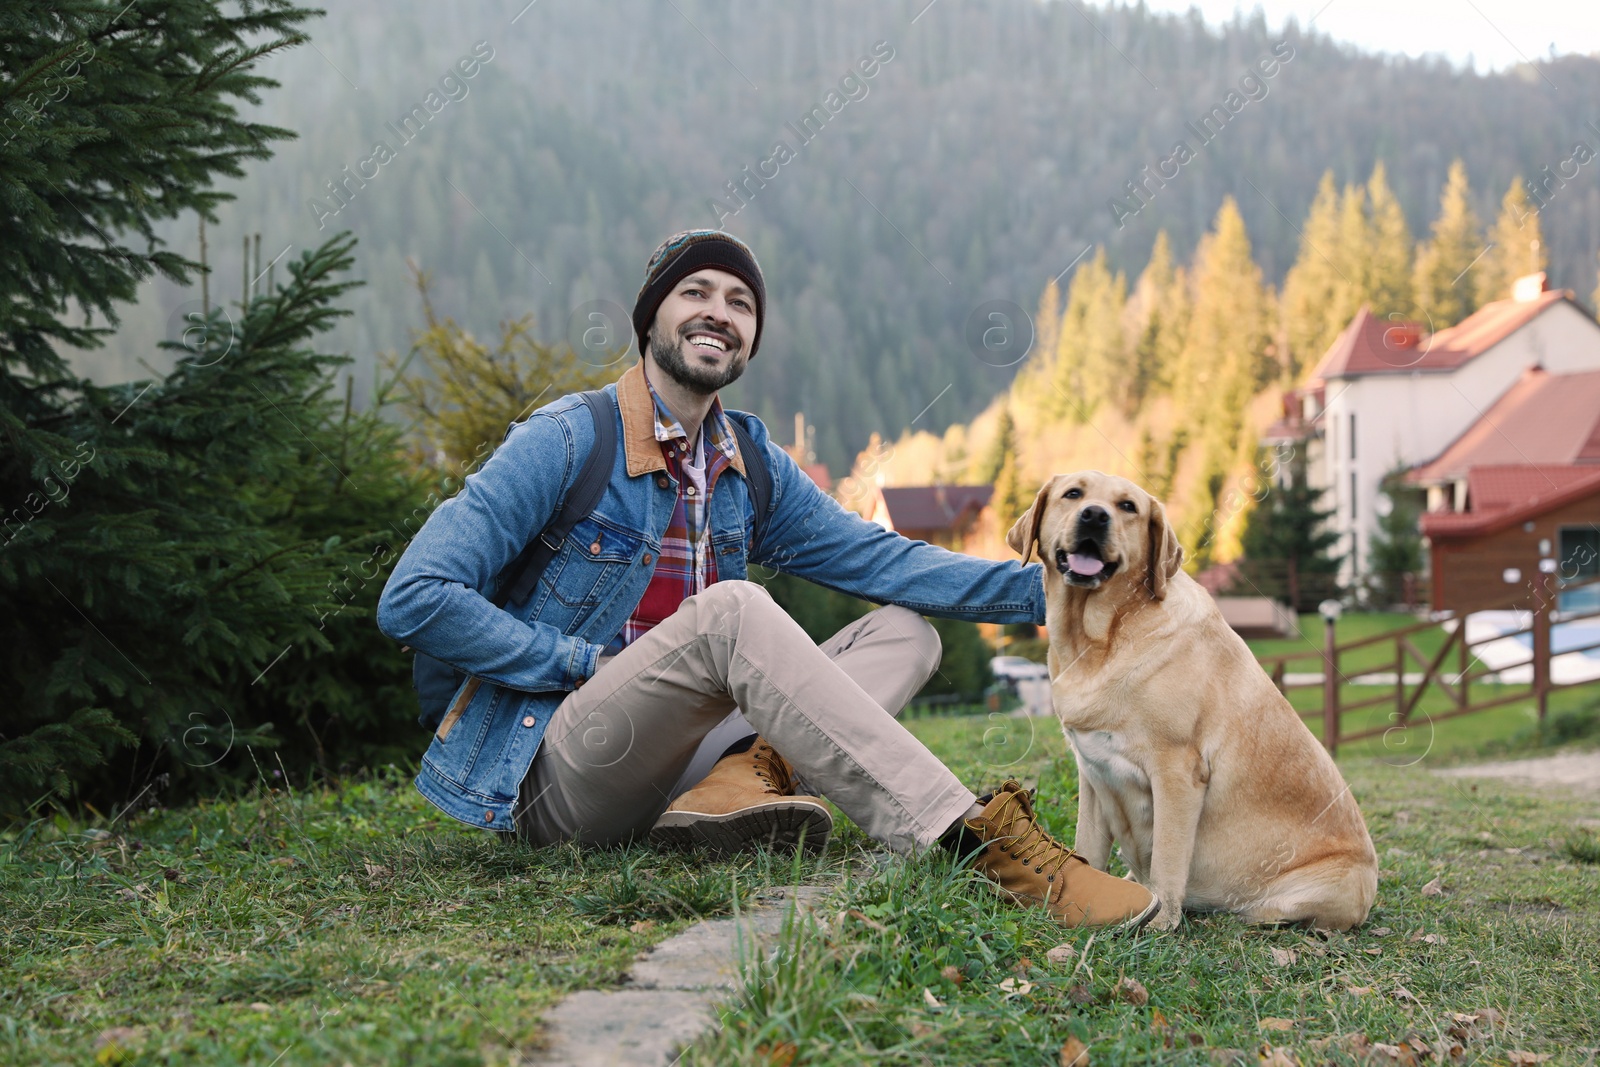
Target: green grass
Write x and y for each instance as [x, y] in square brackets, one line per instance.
[351, 925]
[1513, 931]
[358, 925]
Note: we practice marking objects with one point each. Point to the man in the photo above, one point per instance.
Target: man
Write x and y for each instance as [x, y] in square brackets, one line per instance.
[644, 687]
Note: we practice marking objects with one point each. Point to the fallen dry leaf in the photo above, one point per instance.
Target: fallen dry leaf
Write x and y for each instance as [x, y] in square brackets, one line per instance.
[1434, 888]
[1271, 1023]
[1080, 995]
[1283, 957]
[260, 1005]
[1022, 966]
[952, 973]
[1429, 939]
[780, 1055]
[1227, 1057]
[933, 1002]
[1401, 993]
[1373, 951]
[1016, 987]
[1398, 1053]
[1061, 954]
[1271, 1056]
[1358, 990]
[1380, 931]
[1132, 991]
[1520, 1057]
[1074, 1053]
[283, 861]
[643, 926]
[377, 870]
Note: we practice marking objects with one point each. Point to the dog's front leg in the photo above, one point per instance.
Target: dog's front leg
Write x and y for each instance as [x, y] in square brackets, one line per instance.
[1178, 791]
[1093, 841]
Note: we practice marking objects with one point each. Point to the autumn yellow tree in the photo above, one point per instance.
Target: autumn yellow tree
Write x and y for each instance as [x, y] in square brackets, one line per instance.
[1444, 294]
[1516, 248]
[462, 394]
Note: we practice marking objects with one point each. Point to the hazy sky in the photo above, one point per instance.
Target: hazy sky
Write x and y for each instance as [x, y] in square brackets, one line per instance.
[1495, 33]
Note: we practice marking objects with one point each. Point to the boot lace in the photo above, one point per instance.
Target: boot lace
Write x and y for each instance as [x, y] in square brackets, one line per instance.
[1034, 846]
[772, 768]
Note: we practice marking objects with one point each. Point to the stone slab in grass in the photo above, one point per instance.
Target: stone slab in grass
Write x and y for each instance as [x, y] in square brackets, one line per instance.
[671, 995]
[633, 1027]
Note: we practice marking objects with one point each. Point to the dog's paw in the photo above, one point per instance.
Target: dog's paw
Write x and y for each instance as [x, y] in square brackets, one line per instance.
[1166, 919]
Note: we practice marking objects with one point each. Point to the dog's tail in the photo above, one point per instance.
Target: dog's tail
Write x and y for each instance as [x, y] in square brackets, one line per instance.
[1332, 894]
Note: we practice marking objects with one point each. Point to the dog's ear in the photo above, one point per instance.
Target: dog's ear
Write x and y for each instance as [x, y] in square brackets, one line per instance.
[1163, 554]
[1024, 532]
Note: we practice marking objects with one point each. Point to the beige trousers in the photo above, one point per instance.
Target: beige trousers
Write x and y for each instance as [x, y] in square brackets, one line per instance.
[617, 750]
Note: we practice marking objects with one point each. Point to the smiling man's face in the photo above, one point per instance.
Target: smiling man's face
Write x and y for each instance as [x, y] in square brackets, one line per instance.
[702, 331]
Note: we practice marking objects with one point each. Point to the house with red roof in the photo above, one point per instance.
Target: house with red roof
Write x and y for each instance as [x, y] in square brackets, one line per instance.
[1391, 394]
[1517, 495]
[939, 514]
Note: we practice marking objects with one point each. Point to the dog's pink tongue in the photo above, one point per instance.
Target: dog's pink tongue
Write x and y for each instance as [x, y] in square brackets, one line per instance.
[1087, 566]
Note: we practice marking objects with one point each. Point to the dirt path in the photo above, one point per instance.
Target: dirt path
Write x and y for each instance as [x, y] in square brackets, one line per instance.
[1570, 770]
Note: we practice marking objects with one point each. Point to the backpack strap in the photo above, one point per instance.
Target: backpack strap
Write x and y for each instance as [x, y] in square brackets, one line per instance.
[519, 578]
[758, 478]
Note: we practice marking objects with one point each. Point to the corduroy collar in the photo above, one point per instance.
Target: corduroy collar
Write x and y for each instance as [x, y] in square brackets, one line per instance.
[639, 442]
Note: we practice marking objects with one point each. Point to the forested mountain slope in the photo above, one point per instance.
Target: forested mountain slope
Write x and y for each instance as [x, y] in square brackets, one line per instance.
[980, 157]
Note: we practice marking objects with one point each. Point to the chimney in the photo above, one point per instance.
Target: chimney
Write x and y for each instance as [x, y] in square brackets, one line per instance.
[1528, 287]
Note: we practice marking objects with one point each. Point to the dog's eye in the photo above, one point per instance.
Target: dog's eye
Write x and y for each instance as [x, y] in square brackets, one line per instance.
[1072, 494]
[1129, 506]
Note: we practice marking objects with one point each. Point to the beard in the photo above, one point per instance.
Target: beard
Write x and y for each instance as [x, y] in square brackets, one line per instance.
[670, 357]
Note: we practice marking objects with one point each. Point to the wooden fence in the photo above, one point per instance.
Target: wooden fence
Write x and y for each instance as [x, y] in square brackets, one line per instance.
[1542, 610]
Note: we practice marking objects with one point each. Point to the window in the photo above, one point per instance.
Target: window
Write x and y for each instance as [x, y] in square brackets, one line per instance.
[1352, 435]
[1579, 561]
[1352, 496]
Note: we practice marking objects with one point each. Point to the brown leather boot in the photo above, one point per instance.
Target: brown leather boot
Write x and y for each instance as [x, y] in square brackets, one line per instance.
[748, 799]
[1031, 867]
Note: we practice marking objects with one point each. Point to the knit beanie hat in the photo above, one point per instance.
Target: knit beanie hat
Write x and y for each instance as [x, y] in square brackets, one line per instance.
[689, 251]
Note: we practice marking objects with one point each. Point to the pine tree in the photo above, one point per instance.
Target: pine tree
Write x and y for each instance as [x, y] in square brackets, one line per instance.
[1157, 314]
[1444, 292]
[1312, 282]
[192, 557]
[1388, 279]
[1517, 247]
[1394, 558]
[1011, 498]
[1286, 544]
[1090, 358]
[1224, 363]
[1353, 257]
[1004, 447]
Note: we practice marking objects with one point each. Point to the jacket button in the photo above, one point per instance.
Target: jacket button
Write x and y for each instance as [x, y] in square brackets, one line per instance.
[529, 720]
[689, 491]
[648, 559]
[594, 549]
[488, 816]
[661, 480]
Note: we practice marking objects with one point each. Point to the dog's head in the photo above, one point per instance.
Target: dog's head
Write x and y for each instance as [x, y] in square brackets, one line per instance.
[1095, 529]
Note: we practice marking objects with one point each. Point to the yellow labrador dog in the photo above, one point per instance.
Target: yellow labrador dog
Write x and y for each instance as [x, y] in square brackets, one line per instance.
[1189, 759]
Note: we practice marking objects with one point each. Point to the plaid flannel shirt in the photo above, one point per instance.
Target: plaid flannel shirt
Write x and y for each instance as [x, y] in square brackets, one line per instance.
[685, 565]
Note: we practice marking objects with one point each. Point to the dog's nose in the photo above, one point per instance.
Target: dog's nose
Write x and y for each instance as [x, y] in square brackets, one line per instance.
[1094, 515]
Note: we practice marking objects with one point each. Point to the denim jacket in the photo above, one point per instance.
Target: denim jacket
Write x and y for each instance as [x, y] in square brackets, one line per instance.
[520, 662]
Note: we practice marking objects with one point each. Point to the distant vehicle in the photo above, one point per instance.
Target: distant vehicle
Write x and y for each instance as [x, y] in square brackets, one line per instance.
[1016, 668]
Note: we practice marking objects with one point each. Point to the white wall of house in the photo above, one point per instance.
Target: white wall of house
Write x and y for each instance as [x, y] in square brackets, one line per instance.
[1409, 418]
